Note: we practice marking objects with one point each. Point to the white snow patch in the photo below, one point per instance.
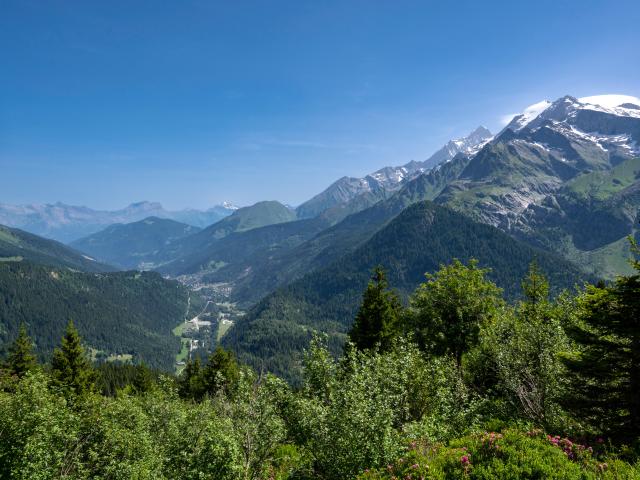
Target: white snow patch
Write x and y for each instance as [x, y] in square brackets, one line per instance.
[611, 104]
[530, 113]
[610, 101]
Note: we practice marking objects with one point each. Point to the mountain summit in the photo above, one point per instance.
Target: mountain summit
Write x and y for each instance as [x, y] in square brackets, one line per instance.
[568, 106]
[390, 179]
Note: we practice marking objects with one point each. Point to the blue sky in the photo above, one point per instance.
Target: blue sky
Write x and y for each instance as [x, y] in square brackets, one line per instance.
[194, 102]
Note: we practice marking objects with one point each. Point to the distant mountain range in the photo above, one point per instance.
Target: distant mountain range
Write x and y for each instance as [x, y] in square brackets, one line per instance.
[564, 175]
[542, 179]
[154, 242]
[560, 183]
[389, 179]
[66, 223]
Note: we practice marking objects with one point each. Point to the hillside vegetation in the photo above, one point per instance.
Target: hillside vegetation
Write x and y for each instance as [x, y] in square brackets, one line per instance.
[17, 245]
[133, 245]
[424, 236]
[459, 384]
[121, 313]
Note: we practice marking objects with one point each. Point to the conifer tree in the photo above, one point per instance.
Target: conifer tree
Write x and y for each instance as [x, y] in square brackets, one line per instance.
[221, 372]
[143, 380]
[70, 367]
[378, 318]
[21, 359]
[190, 383]
[536, 292]
[605, 375]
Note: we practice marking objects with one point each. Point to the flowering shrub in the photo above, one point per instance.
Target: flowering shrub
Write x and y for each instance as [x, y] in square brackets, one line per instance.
[511, 454]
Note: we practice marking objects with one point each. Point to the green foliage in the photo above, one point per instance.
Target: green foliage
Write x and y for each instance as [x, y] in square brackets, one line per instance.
[605, 372]
[424, 236]
[114, 377]
[70, 367]
[354, 413]
[519, 356]
[510, 455]
[131, 244]
[220, 374]
[128, 313]
[495, 366]
[155, 436]
[39, 432]
[448, 310]
[17, 245]
[21, 360]
[378, 318]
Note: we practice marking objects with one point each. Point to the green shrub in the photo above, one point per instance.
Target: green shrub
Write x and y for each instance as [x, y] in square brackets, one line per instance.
[511, 455]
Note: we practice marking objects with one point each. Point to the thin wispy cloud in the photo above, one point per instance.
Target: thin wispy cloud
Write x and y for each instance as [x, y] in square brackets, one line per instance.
[505, 119]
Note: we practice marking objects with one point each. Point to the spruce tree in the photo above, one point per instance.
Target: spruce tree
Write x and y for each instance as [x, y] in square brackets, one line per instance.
[190, 384]
[378, 318]
[221, 372]
[536, 292]
[605, 375]
[143, 380]
[70, 367]
[21, 358]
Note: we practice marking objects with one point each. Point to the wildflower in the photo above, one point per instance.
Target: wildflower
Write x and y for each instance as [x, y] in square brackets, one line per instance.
[415, 465]
[464, 460]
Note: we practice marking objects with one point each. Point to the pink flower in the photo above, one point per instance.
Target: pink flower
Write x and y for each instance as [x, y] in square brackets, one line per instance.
[464, 460]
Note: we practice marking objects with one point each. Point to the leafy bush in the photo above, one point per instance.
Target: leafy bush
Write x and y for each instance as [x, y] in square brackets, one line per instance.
[512, 454]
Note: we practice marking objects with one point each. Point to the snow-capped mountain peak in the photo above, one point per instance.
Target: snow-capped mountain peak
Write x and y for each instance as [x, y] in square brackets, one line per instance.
[611, 100]
[528, 115]
[568, 106]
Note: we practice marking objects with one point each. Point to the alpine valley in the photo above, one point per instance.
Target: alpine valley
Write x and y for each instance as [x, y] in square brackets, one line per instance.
[559, 185]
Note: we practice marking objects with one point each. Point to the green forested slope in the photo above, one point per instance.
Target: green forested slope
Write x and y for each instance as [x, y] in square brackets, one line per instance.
[117, 313]
[232, 256]
[17, 245]
[286, 265]
[422, 237]
[191, 254]
[131, 245]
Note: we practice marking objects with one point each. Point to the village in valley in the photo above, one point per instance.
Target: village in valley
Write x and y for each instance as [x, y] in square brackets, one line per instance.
[214, 315]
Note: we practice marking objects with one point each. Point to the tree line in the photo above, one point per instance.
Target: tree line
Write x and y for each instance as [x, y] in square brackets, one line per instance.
[459, 383]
